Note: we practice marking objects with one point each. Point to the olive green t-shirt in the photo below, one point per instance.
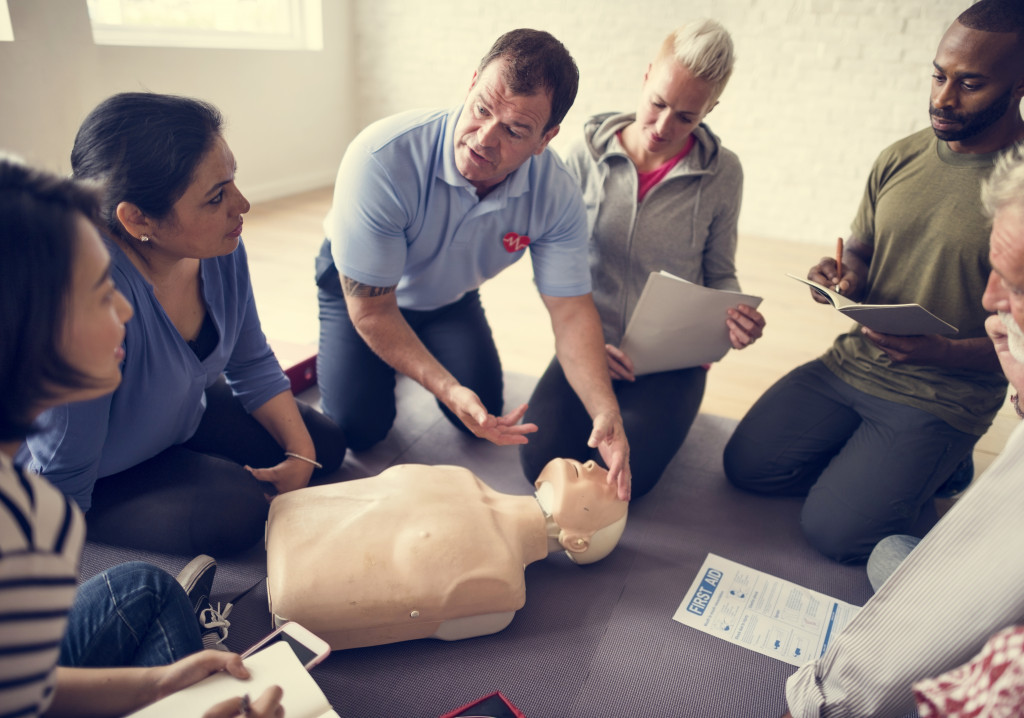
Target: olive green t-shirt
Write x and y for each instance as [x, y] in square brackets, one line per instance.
[922, 215]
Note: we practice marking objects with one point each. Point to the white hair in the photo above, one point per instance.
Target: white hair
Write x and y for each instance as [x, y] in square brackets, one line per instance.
[1005, 186]
[705, 48]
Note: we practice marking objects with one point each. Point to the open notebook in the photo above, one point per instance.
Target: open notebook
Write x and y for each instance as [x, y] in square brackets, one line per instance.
[896, 319]
[276, 665]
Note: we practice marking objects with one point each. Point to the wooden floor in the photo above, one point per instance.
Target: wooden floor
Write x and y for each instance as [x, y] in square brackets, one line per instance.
[283, 236]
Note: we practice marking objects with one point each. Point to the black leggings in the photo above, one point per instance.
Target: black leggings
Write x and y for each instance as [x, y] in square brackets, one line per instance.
[197, 497]
[657, 411]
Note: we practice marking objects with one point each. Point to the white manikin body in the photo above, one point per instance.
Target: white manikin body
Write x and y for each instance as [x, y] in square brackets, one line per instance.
[427, 551]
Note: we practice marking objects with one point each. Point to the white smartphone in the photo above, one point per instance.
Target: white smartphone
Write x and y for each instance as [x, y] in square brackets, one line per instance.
[310, 648]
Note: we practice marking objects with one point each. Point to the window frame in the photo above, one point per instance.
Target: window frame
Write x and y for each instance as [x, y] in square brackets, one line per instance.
[6, 29]
[307, 34]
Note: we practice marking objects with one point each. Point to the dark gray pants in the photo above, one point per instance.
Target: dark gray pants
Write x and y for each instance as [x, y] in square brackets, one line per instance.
[197, 497]
[657, 412]
[867, 466]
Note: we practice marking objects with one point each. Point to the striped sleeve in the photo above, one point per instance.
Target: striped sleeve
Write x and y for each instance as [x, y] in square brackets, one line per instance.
[41, 535]
[958, 587]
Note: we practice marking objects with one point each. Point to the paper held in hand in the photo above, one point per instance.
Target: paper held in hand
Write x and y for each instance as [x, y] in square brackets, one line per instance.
[895, 319]
[678, 324]
[276, 665]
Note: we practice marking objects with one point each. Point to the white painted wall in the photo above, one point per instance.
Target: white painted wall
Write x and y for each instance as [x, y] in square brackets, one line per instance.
[288, 114]
[820, 86]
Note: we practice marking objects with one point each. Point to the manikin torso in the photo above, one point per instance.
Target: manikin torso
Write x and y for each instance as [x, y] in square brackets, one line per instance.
[426, 551]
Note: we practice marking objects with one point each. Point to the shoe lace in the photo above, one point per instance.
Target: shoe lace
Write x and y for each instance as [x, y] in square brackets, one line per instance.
[211, 619]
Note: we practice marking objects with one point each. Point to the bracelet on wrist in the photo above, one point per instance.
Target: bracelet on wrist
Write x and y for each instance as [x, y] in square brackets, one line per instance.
[300, 457]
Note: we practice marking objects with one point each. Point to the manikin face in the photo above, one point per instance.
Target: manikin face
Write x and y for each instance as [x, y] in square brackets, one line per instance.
[975, 84]
[1005, 291]
[672, 103]
[584, 505]
[497, 130]
[206, 221]
[93, 332]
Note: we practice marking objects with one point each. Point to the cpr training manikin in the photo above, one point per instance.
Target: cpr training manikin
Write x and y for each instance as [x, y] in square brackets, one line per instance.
[428, 551]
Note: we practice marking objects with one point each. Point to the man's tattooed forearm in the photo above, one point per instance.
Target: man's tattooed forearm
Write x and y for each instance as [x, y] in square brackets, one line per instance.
[353, 288]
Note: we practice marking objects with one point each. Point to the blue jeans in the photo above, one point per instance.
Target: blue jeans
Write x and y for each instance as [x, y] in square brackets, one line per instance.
[134, 614]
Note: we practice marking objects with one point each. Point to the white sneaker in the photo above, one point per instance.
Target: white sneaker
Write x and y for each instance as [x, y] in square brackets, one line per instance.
[214, 624]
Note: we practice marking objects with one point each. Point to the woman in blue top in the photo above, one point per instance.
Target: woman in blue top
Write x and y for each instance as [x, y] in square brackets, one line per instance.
[164, 463]
[129, 635]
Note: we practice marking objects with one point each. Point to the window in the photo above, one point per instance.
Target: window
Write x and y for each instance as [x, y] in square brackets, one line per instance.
[6, 31]
[233, 24]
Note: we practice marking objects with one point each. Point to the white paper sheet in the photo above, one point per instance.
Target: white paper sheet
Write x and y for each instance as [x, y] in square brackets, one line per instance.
[677, 324]
[758, 611]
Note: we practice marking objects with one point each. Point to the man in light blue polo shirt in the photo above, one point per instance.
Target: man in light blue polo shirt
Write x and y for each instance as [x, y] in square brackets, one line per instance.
[427, 206]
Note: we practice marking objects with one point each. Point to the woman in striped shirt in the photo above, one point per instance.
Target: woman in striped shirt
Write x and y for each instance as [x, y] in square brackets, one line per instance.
[61, 332]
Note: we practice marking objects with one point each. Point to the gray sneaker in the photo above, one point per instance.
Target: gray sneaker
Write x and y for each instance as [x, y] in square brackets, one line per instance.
[197, 580]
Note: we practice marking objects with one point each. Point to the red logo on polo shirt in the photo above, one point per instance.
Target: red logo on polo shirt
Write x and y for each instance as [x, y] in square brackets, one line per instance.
[514, 242]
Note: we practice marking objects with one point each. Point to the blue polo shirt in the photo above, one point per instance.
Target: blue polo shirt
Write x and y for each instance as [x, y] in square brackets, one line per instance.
[404, 215]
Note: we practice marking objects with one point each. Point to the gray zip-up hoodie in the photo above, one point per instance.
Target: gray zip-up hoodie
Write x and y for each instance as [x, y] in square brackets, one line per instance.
[686, 224]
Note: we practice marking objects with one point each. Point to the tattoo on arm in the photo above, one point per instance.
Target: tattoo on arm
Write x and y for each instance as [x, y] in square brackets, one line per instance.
[352, 288]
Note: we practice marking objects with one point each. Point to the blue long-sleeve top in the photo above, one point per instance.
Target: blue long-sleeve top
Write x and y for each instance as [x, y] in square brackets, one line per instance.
[162, 394]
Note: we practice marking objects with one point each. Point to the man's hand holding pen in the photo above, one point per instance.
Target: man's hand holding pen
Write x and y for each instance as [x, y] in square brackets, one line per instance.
[844, 273]
[839, 263]
[826, 273]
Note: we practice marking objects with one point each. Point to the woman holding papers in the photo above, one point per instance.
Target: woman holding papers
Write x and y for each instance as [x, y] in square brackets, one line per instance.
[662, 193]
[62, 323]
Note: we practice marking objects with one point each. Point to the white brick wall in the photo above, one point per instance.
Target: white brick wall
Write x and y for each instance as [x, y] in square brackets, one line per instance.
[820, 86]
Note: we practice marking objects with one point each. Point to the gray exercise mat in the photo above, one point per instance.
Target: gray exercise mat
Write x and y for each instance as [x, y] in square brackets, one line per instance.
[592, 641]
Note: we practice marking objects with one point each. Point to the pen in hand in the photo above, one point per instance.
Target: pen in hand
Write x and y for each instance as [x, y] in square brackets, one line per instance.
[839, 262]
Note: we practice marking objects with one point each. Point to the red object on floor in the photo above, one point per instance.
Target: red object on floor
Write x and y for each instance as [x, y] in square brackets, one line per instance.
[493, 704]
[302, 375]
[298, 361]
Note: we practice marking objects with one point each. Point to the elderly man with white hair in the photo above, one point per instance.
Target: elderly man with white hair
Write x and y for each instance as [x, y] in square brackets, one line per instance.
[1004, 199]
[955, 589]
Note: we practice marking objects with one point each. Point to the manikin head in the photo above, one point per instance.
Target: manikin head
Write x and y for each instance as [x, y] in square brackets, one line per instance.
[589, 515]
